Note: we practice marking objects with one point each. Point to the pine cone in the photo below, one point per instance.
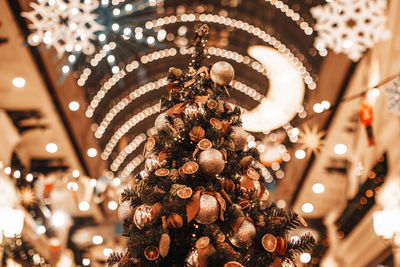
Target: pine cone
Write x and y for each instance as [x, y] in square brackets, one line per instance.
[226, 249]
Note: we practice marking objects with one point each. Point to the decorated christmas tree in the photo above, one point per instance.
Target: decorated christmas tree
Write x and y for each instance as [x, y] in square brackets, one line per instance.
[201, 200]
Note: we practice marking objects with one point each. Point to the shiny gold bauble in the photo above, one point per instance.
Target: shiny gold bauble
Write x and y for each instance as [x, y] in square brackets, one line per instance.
[151, 163]
[222, 73]
[192, 259]
[211, 162]
[209, 210]
[245, 235]
[142, 216]
[239, 137]
[161, 122]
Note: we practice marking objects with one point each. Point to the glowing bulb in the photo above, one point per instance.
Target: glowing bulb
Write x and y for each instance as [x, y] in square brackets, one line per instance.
[307, 207]
[116, 181]
[17, 174]
[7, 170]
[72, 186]
[128, 7]
[71, 58]
[41, 230]
[92, 152]
[115, 69]
[112, 205]
[84, 206]
[325, 104]
[86, 262]
[29, 177]
[97, 239]
[281, 204]
[318, 188]
[150, 40]
[75, 173]
[59, 218]
[127, 31]
[300, 154]
[115, 27]
[110, 58]
[65, 69]
[107, 252]
[340, 149]
[116, 11]
[102, 37]
[305, 257]
[51, 148]
[18, 82]
[318, 108]
[73, 105]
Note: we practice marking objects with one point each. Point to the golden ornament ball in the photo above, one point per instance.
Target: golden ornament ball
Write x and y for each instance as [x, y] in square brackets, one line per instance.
[239, 137]
[222, 73]
[161, 122]
[193, 110]
[209, 210]
[245, 235]
[142, 216]
[211, 162]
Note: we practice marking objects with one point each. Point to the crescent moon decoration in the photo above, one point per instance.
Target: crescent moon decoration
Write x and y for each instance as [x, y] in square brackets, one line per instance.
[285, 94]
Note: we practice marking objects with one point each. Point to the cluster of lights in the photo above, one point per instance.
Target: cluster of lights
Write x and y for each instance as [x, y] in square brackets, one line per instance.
[292, 14]
[96, 60]
[123, 103]
[321, 107]
[135, 119]
[291, 132]
[132, 166]
[127, 150]
[17, 173]
[103, 90]
[320, 46]
[238, 24]
[158, 55]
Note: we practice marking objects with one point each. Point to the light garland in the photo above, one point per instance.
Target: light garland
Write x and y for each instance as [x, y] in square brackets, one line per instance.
[238, 24]
[127, 151]
[292, 14]
[132, 166]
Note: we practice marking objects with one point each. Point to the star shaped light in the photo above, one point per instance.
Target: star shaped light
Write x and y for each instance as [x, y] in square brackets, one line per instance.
[27, 196]
[310, 139]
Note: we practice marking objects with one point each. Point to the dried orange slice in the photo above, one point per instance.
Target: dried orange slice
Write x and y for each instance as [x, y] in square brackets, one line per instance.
[204, 144]
[253, 174]
[269, 242]
[212, 104]
[151, 253]
[216, 123]
[233, 264]
[202, 242]
[190, 167]
[185, 193]
[197, 133]
[151, 142]
[302, 220]
[162, 172]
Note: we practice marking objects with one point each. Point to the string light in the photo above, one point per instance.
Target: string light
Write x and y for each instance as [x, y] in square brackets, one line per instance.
[75, 173]
[307, 207]
[18, 82]
[97, 239]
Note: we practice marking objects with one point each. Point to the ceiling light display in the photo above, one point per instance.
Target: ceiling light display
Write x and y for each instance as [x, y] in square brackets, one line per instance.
[285, 94]
[350, 26]
[310, 139]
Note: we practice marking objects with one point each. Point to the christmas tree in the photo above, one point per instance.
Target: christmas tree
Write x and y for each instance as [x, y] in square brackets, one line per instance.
[200, 200]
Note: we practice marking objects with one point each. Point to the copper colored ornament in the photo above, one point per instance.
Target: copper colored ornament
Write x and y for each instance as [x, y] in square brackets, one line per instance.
[174, 221]
[184, 193]
[161, 122]
[211, 162]
[253, 174]
[142, 216]
[239, 137]
[175, 72]
[233, 264]
[190, 167]
[250, 187]
[204, 144]
[125, 211]
[228, 185]
[212, 104]
[245, 235]
[193, 110]
[151, 253]
[216, 123]
[281, 246]
[209, 210]
[193, 258]
[269, 242]
[161, 172]
[152, 162]
[222, 73]
[245, 205]
[202, 242]
[197, 133]
[151, 142]
[164, 244]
